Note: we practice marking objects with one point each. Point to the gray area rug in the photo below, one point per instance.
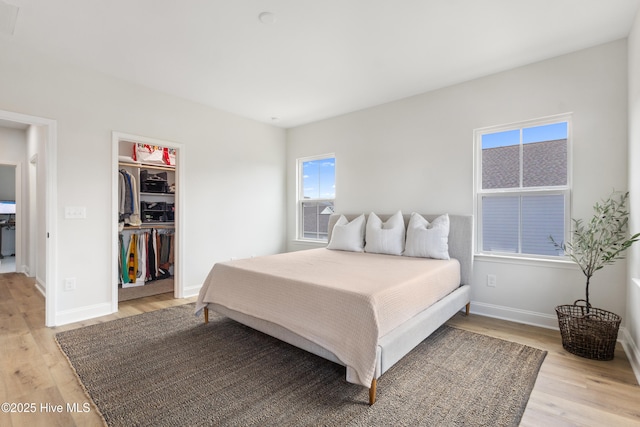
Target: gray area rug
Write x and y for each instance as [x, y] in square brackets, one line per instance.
[167, 368]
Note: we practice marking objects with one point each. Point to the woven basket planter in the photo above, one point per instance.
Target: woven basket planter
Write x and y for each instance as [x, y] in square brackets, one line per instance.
[591, 334]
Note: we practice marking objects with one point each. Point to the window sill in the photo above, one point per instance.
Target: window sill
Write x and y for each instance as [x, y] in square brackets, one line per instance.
[310, 243]
[565, 262]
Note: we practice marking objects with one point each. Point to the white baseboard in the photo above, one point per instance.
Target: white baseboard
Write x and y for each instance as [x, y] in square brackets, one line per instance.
[632, 352]
[41, 287]
[97, 310]
[515, 315]
[551, 322]
[82, 313]
[191, 291]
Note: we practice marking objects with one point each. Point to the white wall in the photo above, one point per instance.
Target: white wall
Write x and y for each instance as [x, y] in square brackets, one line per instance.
[416, 154]
[632, 318]
[234, 171]
[12, 142]
[12, 152]
[7, 180]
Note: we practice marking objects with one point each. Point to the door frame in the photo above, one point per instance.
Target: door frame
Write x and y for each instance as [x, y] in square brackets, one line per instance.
[50, 210]
[116, 137]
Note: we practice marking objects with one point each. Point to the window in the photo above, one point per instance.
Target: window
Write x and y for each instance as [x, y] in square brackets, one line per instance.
[316, 194]
[522, 187]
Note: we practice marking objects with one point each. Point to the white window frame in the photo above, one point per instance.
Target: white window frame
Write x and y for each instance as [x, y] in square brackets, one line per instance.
[479, 192]
[300, 195]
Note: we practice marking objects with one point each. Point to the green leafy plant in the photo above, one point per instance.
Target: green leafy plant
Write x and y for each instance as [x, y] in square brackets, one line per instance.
[602, 240]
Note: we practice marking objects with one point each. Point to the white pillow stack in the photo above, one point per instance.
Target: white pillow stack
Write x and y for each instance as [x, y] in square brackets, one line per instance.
[423, 239]
[385, 237]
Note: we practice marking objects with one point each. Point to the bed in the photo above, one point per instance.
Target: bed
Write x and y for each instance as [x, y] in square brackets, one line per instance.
[359, 309]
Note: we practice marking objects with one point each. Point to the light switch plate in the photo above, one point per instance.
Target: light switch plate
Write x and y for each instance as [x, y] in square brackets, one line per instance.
[75, 212]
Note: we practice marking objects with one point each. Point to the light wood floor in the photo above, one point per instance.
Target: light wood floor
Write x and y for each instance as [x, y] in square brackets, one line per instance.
[570, 391]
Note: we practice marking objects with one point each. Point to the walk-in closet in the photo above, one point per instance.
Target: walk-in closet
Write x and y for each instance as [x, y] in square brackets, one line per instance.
[146, 219]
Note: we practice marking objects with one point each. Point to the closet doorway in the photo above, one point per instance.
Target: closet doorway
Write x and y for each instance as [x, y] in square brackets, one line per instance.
[36, 205]
[147, 224]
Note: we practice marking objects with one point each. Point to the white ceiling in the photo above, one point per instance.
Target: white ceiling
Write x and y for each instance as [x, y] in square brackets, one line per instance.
[320, 58]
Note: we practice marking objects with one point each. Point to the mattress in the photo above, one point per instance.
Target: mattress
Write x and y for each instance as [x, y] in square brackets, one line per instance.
[342, 301]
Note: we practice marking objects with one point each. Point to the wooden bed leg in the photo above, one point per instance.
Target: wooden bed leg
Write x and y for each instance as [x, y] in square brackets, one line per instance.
[467, 307]
[372, 392]
[206, 315]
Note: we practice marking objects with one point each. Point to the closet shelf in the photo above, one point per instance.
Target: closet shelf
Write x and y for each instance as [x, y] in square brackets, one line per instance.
[159, 225]
[148, 166]
[157, 194]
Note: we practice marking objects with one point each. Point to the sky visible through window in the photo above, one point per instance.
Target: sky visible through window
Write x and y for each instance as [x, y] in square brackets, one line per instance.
[533, 134]
[319, 179]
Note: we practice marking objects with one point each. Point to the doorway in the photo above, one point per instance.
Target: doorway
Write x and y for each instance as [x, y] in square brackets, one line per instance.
[42, 262]
[164, 206]
[9, 186]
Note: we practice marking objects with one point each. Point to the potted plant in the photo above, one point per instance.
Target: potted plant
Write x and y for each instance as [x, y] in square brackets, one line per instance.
[588, 331]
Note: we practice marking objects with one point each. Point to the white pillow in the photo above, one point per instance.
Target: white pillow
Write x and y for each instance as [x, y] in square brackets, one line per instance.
[385, 238]
[348, 236]
[428, 240]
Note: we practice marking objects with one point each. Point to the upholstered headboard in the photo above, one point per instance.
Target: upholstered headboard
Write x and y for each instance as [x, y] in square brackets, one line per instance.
[460, 239]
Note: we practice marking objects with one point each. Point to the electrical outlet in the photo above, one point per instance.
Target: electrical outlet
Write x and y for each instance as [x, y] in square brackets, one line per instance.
[70, 284]
[491, 280]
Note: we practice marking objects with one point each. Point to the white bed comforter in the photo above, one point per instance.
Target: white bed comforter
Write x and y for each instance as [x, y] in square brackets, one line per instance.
[342, 301]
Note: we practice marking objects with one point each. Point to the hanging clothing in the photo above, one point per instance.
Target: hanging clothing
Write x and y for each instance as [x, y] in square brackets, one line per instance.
[125, 191]
[121, 194]
[122, 261]
[129, 205]
[132, 263]
[171, 249]
[151, 257]
[142, 258]
[145, 256]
